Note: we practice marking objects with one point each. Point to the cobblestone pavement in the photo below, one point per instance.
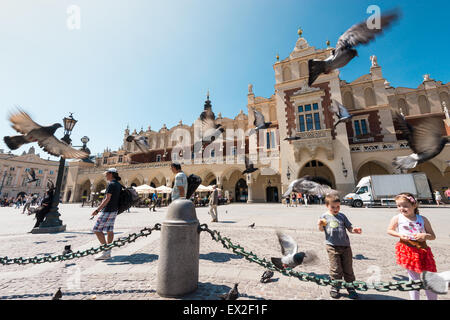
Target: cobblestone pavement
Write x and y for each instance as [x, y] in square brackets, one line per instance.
[131, 273]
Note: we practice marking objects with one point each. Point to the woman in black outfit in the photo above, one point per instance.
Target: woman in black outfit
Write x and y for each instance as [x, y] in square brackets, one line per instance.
[44, 207]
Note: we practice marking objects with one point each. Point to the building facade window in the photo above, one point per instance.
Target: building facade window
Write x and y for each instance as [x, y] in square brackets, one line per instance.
[120, 159]
[158, 158]
[308, 117]
[360, 127]
[9, 180]
[52, 172]
[213, 153]
[105, 160]
[270, 140]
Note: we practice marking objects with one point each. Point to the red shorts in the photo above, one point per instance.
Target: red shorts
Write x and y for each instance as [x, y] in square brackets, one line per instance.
[415, 259]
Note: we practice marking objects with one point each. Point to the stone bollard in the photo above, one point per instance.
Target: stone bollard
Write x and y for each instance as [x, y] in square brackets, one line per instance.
[178, 261]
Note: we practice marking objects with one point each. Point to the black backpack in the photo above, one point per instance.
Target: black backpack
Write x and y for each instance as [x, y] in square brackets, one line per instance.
[193, 183]
[127, 197]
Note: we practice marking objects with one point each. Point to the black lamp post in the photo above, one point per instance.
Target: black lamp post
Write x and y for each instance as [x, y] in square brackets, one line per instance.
[52, 223]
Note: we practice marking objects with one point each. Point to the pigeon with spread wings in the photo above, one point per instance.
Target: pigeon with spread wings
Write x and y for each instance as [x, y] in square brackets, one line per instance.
[44, 136]
[249, 167]
[31, 174]
[309, 185]
[259, 122]
[140, 141]
[425, 140]
[341, 112]
[344, 51]
[291, 257]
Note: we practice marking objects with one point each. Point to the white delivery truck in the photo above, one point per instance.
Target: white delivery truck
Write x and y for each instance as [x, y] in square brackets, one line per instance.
[382, 189]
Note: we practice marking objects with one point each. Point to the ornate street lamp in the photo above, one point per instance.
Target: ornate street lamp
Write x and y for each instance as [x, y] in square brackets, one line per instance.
[344, 170]
[52, 223]
[288, 174]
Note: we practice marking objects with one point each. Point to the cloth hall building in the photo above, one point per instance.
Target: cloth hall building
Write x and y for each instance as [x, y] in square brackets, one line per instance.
[363, 146]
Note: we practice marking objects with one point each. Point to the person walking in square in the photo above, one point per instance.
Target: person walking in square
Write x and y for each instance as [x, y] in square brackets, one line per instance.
[294, 198]
[412, 251]
[108, 208]
[213, 202]
[438, 197]
[180, 183]
[335, 225]
[447, 194]
[27, 205]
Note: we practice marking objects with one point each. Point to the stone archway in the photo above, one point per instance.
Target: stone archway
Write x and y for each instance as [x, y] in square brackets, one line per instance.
[371, 168]
[241, 191]
[84, 191]
[317, 168]
[435, 177]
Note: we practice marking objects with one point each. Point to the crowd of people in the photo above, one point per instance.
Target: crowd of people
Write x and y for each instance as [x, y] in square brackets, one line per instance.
[296, 198]
[23, 200]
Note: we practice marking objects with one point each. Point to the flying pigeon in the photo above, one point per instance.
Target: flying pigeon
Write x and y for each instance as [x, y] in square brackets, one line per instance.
[210, 130]
[266, 276]
[344, 52]
[50, 185]
[309, 185]
[436, 282]
[233, 294]
[292, 138]
[58, 295]
[291, 257]
[249, 168]
[31, 175]
[67, 250]
[425, 139]
[44, 136]
[140, 141]
[341, 112]
[252, 225]
[259, 122]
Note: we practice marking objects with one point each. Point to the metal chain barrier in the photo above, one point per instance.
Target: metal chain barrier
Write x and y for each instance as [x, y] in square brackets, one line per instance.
[303, 276]
[78, 254]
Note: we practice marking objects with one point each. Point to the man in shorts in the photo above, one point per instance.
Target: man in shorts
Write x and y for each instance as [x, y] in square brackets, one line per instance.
[108, 209]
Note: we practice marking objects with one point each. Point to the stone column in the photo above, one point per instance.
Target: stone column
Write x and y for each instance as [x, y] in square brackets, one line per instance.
[249, 188]
[178, 262]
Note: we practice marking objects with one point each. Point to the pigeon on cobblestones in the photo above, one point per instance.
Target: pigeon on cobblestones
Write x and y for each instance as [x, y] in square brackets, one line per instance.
[67, 250]
[341, 112]
[436, 282]
[291, 257]
[233, 294]
[344, 51]
[425, 140]
[266, 276]
[58, 295]
[252, 225]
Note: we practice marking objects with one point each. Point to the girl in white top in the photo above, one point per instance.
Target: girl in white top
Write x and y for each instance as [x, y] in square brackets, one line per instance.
[411, 251]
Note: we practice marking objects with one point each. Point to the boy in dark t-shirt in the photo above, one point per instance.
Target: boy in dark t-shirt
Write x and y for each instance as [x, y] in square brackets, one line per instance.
[108, 208]
[335, 225]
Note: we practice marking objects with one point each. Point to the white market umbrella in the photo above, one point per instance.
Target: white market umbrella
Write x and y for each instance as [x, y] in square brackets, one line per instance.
[145, 188]
[202, 188]
[164, 189]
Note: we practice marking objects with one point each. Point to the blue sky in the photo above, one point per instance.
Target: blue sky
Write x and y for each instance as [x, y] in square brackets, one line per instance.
[141, 62]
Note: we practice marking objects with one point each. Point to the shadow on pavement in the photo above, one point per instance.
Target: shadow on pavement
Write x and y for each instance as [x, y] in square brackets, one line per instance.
[361, 257]
[364, 296]
[220, 221]
[136, 258]
[69, 294]
[399, 277]
[219, 256]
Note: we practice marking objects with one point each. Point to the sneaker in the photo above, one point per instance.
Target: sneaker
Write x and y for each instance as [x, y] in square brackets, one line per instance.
[334, 293]
[352, 294]
[104, 255]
